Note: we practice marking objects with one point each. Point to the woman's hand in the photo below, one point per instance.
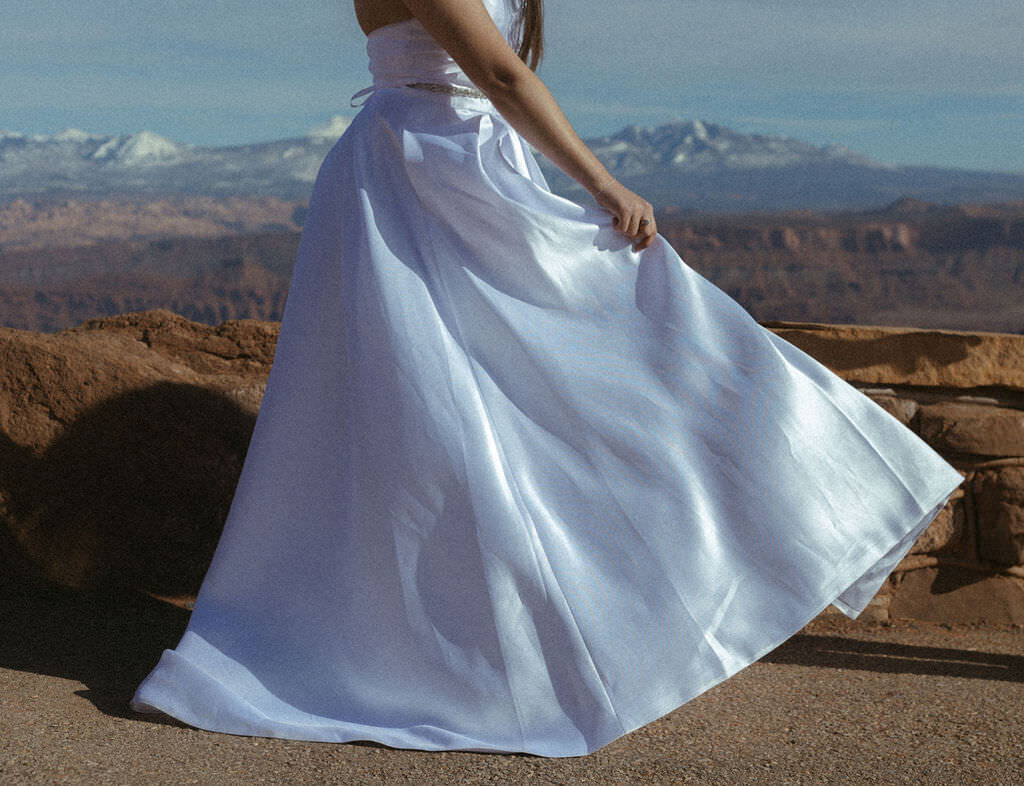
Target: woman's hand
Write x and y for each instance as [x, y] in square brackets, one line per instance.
[633, 215]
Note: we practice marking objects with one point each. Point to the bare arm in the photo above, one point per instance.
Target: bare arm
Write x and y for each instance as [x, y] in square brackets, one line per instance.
[466, 31]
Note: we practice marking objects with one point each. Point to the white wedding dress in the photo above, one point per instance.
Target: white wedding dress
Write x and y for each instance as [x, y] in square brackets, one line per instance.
[514, 486]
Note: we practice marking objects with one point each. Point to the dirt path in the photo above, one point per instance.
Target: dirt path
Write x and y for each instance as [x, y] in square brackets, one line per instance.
[841, 702]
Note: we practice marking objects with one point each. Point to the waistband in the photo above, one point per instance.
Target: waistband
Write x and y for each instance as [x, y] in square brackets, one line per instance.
[433, 87]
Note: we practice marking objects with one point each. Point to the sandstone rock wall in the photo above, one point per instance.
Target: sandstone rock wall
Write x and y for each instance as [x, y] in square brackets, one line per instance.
[121, 441]
[963, 393]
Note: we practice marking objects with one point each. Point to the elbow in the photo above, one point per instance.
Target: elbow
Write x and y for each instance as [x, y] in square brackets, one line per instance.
[504, 83]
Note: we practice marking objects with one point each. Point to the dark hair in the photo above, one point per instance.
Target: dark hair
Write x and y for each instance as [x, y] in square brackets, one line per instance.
[530, 32]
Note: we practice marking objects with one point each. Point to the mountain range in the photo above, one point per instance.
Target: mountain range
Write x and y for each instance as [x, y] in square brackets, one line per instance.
[691, 165]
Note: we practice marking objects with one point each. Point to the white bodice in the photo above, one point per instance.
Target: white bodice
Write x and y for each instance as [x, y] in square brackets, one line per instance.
[405, 52]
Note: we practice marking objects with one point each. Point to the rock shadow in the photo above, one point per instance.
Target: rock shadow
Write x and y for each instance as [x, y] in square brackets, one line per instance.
[837, 652]
[133, 493]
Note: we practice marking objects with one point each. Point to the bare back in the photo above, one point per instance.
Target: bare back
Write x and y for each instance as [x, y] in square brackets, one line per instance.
[378, 13]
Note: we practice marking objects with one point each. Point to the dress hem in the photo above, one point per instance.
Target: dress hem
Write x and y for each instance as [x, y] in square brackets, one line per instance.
[784, 631]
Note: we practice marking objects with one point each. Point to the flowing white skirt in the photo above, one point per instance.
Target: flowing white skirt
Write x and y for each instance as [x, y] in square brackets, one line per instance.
[513, 486]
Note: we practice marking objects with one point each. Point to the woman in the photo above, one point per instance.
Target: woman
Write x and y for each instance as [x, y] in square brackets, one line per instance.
[521, 479]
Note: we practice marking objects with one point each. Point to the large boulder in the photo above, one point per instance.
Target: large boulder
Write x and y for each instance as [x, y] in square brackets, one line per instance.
[121, 441]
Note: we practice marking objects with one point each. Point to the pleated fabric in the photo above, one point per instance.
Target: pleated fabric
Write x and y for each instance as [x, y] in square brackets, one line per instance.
[514, 486]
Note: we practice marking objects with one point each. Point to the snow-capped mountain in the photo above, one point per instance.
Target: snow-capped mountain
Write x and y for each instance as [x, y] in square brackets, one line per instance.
[21, 153]
[142, 149]
[703, 166]
[77, 163]
[696, 145]
[689, 164]
[329, 131]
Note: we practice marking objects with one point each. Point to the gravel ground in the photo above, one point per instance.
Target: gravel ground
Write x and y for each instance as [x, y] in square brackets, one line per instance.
[841, 702]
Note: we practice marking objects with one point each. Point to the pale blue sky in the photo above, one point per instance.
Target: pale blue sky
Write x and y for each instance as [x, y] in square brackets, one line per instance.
[903, 81]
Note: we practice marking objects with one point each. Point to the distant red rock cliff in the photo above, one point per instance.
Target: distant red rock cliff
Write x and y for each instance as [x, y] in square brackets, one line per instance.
[79, 222]
[912, 264]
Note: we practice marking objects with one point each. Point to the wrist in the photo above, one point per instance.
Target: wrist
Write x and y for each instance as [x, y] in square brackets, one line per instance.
[605, 184]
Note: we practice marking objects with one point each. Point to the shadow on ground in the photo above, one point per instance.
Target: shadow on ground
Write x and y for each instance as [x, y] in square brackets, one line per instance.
[106, 640]
[837, 652]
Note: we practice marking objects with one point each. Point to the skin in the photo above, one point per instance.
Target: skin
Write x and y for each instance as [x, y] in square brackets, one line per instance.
[469, 35]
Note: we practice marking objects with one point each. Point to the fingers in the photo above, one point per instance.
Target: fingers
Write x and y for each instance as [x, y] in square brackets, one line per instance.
[637, 222]
[633, 216]
[647, 236]
[627, 223]
[646, 230]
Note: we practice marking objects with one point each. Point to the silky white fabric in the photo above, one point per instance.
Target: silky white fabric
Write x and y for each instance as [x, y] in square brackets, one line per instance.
[514, 486]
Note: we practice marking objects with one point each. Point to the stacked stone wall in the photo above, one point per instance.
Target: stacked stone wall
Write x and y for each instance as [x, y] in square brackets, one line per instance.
[963, 393]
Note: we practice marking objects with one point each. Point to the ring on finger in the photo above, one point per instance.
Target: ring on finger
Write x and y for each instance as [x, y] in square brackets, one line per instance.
[644, 222]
